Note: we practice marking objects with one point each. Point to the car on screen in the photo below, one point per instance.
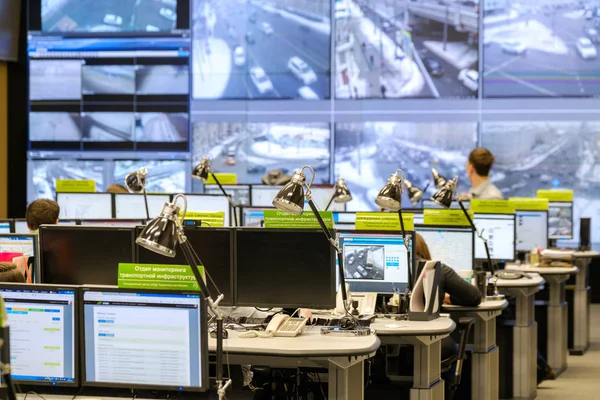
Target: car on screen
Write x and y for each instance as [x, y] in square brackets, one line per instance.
[261, 80]
[239, 56]
[302, 70]
[152, 28]
[469, 78]
[514, 47]
[433, 66]
[593, 35]
[249, 38]
[306, 93]
[266, 28]
[168, 14]
[586, 49]
[112, 19]
[256, 169]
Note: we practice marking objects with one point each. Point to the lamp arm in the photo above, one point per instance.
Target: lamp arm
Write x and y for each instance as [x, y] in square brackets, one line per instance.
[330, 201]
[408, 264]
[146, 204]
[480, 235]
[235, 221]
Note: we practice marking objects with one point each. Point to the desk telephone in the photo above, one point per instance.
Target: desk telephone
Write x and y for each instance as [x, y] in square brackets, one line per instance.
[283, 325]
[366, 303]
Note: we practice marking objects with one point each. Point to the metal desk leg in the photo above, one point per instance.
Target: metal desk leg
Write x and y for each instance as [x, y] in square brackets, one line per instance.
[346, 382]
[428, 385]
[525, 346]
[581, 309]
[557, 324]
[484, 385]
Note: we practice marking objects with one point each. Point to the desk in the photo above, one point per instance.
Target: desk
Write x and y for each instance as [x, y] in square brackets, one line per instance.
[524, 333]
[426, 338]
[485, 371]
[558, 321]
[581, 303]
[343, 356]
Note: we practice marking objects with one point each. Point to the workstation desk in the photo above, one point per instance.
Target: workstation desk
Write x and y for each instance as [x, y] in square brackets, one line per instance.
[558, 320]
[524, 357]
[426, 338]
[485, 370]
[581, 303]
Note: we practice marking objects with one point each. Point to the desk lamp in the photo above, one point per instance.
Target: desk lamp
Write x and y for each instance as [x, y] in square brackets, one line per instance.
[438, 180]
[341, 193]
[202, 170]
[414, 193]
[161, 236]
[443, 197]
[291, 200]
[136, 183]
[390, 198]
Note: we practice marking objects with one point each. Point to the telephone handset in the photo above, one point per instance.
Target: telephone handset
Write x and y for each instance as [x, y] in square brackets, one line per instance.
[283, 325]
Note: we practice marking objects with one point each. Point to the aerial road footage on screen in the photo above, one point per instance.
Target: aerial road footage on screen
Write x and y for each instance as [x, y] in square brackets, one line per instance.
[109, 15]
[247, 49]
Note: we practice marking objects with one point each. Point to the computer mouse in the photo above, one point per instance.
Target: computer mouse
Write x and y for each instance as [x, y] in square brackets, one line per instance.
[213, 334]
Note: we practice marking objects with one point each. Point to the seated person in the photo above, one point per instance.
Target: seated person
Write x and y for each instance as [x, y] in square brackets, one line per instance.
[10, 273]
[41, 212]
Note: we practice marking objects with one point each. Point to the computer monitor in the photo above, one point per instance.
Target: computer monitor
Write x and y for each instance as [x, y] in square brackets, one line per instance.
[254, 216]
[6, 226]
[144, 339]
[263, 195]
[112, 222]
[213, 246]
[209, 203]
[18, 243]
[560, 220]
[452, 245]
[344, 220]
[68, 222]
[376, 261]
[132, 206]
[240, 194]
[284, 268]
[499, 229]
[454, 205]
[43, 333]
[85, 205]
[20, 226]
[532, 230]
[80, 255]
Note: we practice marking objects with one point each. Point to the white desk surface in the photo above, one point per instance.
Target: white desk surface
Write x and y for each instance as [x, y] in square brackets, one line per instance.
[536, 280]
[389, 326]
[588, 253]
[310, 343]
[541, 270]
[491, 305]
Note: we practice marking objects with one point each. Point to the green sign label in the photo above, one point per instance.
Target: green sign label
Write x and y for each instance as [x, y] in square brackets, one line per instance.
[223, 177]
[75, 186]
[307, 220]
[529, 203]
[433, 216]
[208, 218]
[555, 194]
[492, 206]
[380, 221]
[158, 276]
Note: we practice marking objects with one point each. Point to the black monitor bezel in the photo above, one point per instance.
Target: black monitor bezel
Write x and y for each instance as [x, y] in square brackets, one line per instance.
[547, 221]
[76, 332]
[514, 216]
[203, 329]
[572, 221]
[461, 227]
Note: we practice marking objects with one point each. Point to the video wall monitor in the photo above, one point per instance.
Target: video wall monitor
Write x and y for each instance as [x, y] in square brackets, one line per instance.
[560, 220]
[240, 194]
[499, 229]
[213, 246]
[19, 243]
[532, 230]
[144, 339]
[80, 255]
[85, 205]
[453, 246]
[376, 261]
[254, 216]
[132, 206]
[263, 195]
[209, 203]
[344, 220]
[6, 226]
[296, 265]
[44, 341]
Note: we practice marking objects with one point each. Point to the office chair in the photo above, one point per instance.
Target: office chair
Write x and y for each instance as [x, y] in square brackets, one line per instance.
[464, 328]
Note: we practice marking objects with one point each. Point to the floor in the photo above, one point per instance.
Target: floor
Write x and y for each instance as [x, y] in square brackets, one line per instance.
[581, 380]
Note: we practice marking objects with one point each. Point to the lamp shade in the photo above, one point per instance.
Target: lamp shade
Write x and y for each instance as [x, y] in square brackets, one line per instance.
[414, 193]
[136, 181]
[291, 197]
[438, 180]
[390, 196]
[444, 196]
[161, 234]
[202, 170]
[342, 193]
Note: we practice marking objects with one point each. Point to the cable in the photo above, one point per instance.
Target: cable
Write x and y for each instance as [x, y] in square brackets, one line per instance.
[34, 393]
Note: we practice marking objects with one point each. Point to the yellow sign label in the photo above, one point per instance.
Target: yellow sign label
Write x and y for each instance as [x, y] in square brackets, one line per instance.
[75, 186]
[224, 178]
[555, 194]
[380, 221]
[208, 218]
[529, 203]
[492, 207]
[432, 216]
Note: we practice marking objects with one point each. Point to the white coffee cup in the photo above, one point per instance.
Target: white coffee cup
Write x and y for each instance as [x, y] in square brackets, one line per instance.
[466, 274]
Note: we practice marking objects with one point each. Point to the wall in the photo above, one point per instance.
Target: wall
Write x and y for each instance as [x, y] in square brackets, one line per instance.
[3, 139]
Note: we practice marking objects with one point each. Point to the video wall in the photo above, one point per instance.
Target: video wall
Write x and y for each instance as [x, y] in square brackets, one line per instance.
[355, 88]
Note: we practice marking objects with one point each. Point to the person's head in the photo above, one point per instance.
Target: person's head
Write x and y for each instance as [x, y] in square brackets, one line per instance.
[116, 188]
[480, 163]
[421, 248]
[10, 273]
[41, 212]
